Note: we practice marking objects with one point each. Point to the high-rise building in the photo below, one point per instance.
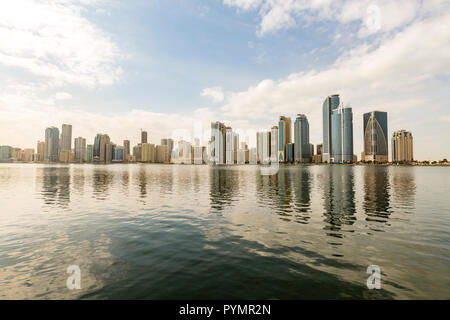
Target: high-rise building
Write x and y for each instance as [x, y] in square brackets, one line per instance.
[184, 152]
[259, 147]
[266, 143]
[6, 153]
[319, 149]
[148, 153]
[169, 143]
[89, 153]
[101, 154]
[80, 149]
[118, 154]
[302, 149]
[66, 137]
[290, 152]
[40, 151]
[51, 150]
[109, 152]
[330, 104]
[402, 146]
[162, 154]
[229, 140]
[375, 128]
[199, 153]
[274, 144]
[218, 143]
[253, 157]
[284, 136]
[28, 155]
[342, 135]
[144, 137]
[126, 145]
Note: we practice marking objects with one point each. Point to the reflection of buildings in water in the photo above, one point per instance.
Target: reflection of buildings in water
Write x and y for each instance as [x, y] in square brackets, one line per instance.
[78, 177]
[125, 180]
[403, 188]
[224, 184]
[56, 185]
[275, 192]
[102, 180]
[142, 181]
[339, 199]
[376, 198]
[302, 188]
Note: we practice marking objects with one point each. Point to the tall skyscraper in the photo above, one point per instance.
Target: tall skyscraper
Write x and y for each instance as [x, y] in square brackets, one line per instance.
[274, 144]
[302, 149]
[100, 152]
[143, 136]
[126, 145]
[89, 153]
[40, 150]
[229, 140]
[330, 104]
[342, 135]
[118, 154]
[51, 150]
[6, 153]
[80, 149]
[284, 136]
[66, 137]
[375, 128]
[402, 146]
[218, 142]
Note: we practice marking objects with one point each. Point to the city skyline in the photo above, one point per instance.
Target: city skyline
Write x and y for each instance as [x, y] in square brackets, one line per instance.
[183, 62]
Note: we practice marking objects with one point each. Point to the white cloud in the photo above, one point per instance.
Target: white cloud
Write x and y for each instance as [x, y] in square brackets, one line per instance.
[51, 40]
[284, 14]
[214, 93]
[63, 96]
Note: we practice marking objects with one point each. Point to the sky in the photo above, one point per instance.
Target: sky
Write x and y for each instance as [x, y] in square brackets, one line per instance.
[173, 66]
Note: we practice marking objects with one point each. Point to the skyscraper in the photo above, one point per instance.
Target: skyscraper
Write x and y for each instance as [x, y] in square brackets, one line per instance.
[143, 136]
[40, 150]
[89, 153]
[342, 135]
[402, 146]
[331, 103]
[100, 151]
[51, 150]
[229, 140]
[126, 145]
[375, 128]
[218, 142]
[302, 149]
[6, 153]
[80, 149]
[284, 136]
[274, 144]
[66, 137]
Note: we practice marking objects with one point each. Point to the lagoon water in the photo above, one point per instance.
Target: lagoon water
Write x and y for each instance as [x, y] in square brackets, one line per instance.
[201, 232]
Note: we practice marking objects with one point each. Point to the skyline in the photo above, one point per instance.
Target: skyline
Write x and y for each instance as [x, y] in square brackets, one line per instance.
[160, 65]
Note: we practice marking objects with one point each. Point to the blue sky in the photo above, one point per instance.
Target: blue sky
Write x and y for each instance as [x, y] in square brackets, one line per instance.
[171, 67]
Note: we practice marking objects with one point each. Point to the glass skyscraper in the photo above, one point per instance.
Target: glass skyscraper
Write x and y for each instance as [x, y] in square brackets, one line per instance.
[375, 128]
[284, 137]
[330, 104]
[51, 150]
[341, 135]
[302, 148]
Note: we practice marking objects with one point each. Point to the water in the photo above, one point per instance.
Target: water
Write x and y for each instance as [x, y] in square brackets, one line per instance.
[197, 232]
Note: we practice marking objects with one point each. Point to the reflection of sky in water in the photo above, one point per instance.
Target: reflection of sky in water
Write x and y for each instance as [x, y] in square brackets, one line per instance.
[227, 232]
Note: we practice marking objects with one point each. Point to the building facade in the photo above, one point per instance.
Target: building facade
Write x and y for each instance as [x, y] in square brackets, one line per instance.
[342, 135]
[51, 150]
[284, 137]
[302, 149]
[80, 149]
[402, 146]
[375, 126]
[330, 104]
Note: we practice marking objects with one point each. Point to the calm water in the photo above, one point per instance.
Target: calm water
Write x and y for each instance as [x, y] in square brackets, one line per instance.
[188, 232]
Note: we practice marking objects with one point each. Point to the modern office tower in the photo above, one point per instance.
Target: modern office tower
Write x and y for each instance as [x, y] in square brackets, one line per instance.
[66, 137]
[259, 147]
[274, 144]
[109, 152]
[184, 152]
[253, 157]
[290, 153]
[169, 143]
[89, 153]
[375, 127]
[162, 154]
[40, 151]
[265, 149]
[137, 152]
[319, 149]
[302, 149]
[342, 135]
[199, 153]
[118, 154]
[402, 146]
[51, 150]
[5, 153]
[145, 152]
[100, 152]
[80, 149]
[17, 154]
[126, 145]
[235, 146]
[144, 137]
[229, 141]
[284, 137]
[218, 142]
[331, 103]
[311, 149]
[28, 155]
[66, 156]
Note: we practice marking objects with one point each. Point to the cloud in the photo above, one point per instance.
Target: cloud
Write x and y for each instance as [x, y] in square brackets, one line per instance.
[53, 42]
[387, 15]
[214, 93]
[63, 96]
